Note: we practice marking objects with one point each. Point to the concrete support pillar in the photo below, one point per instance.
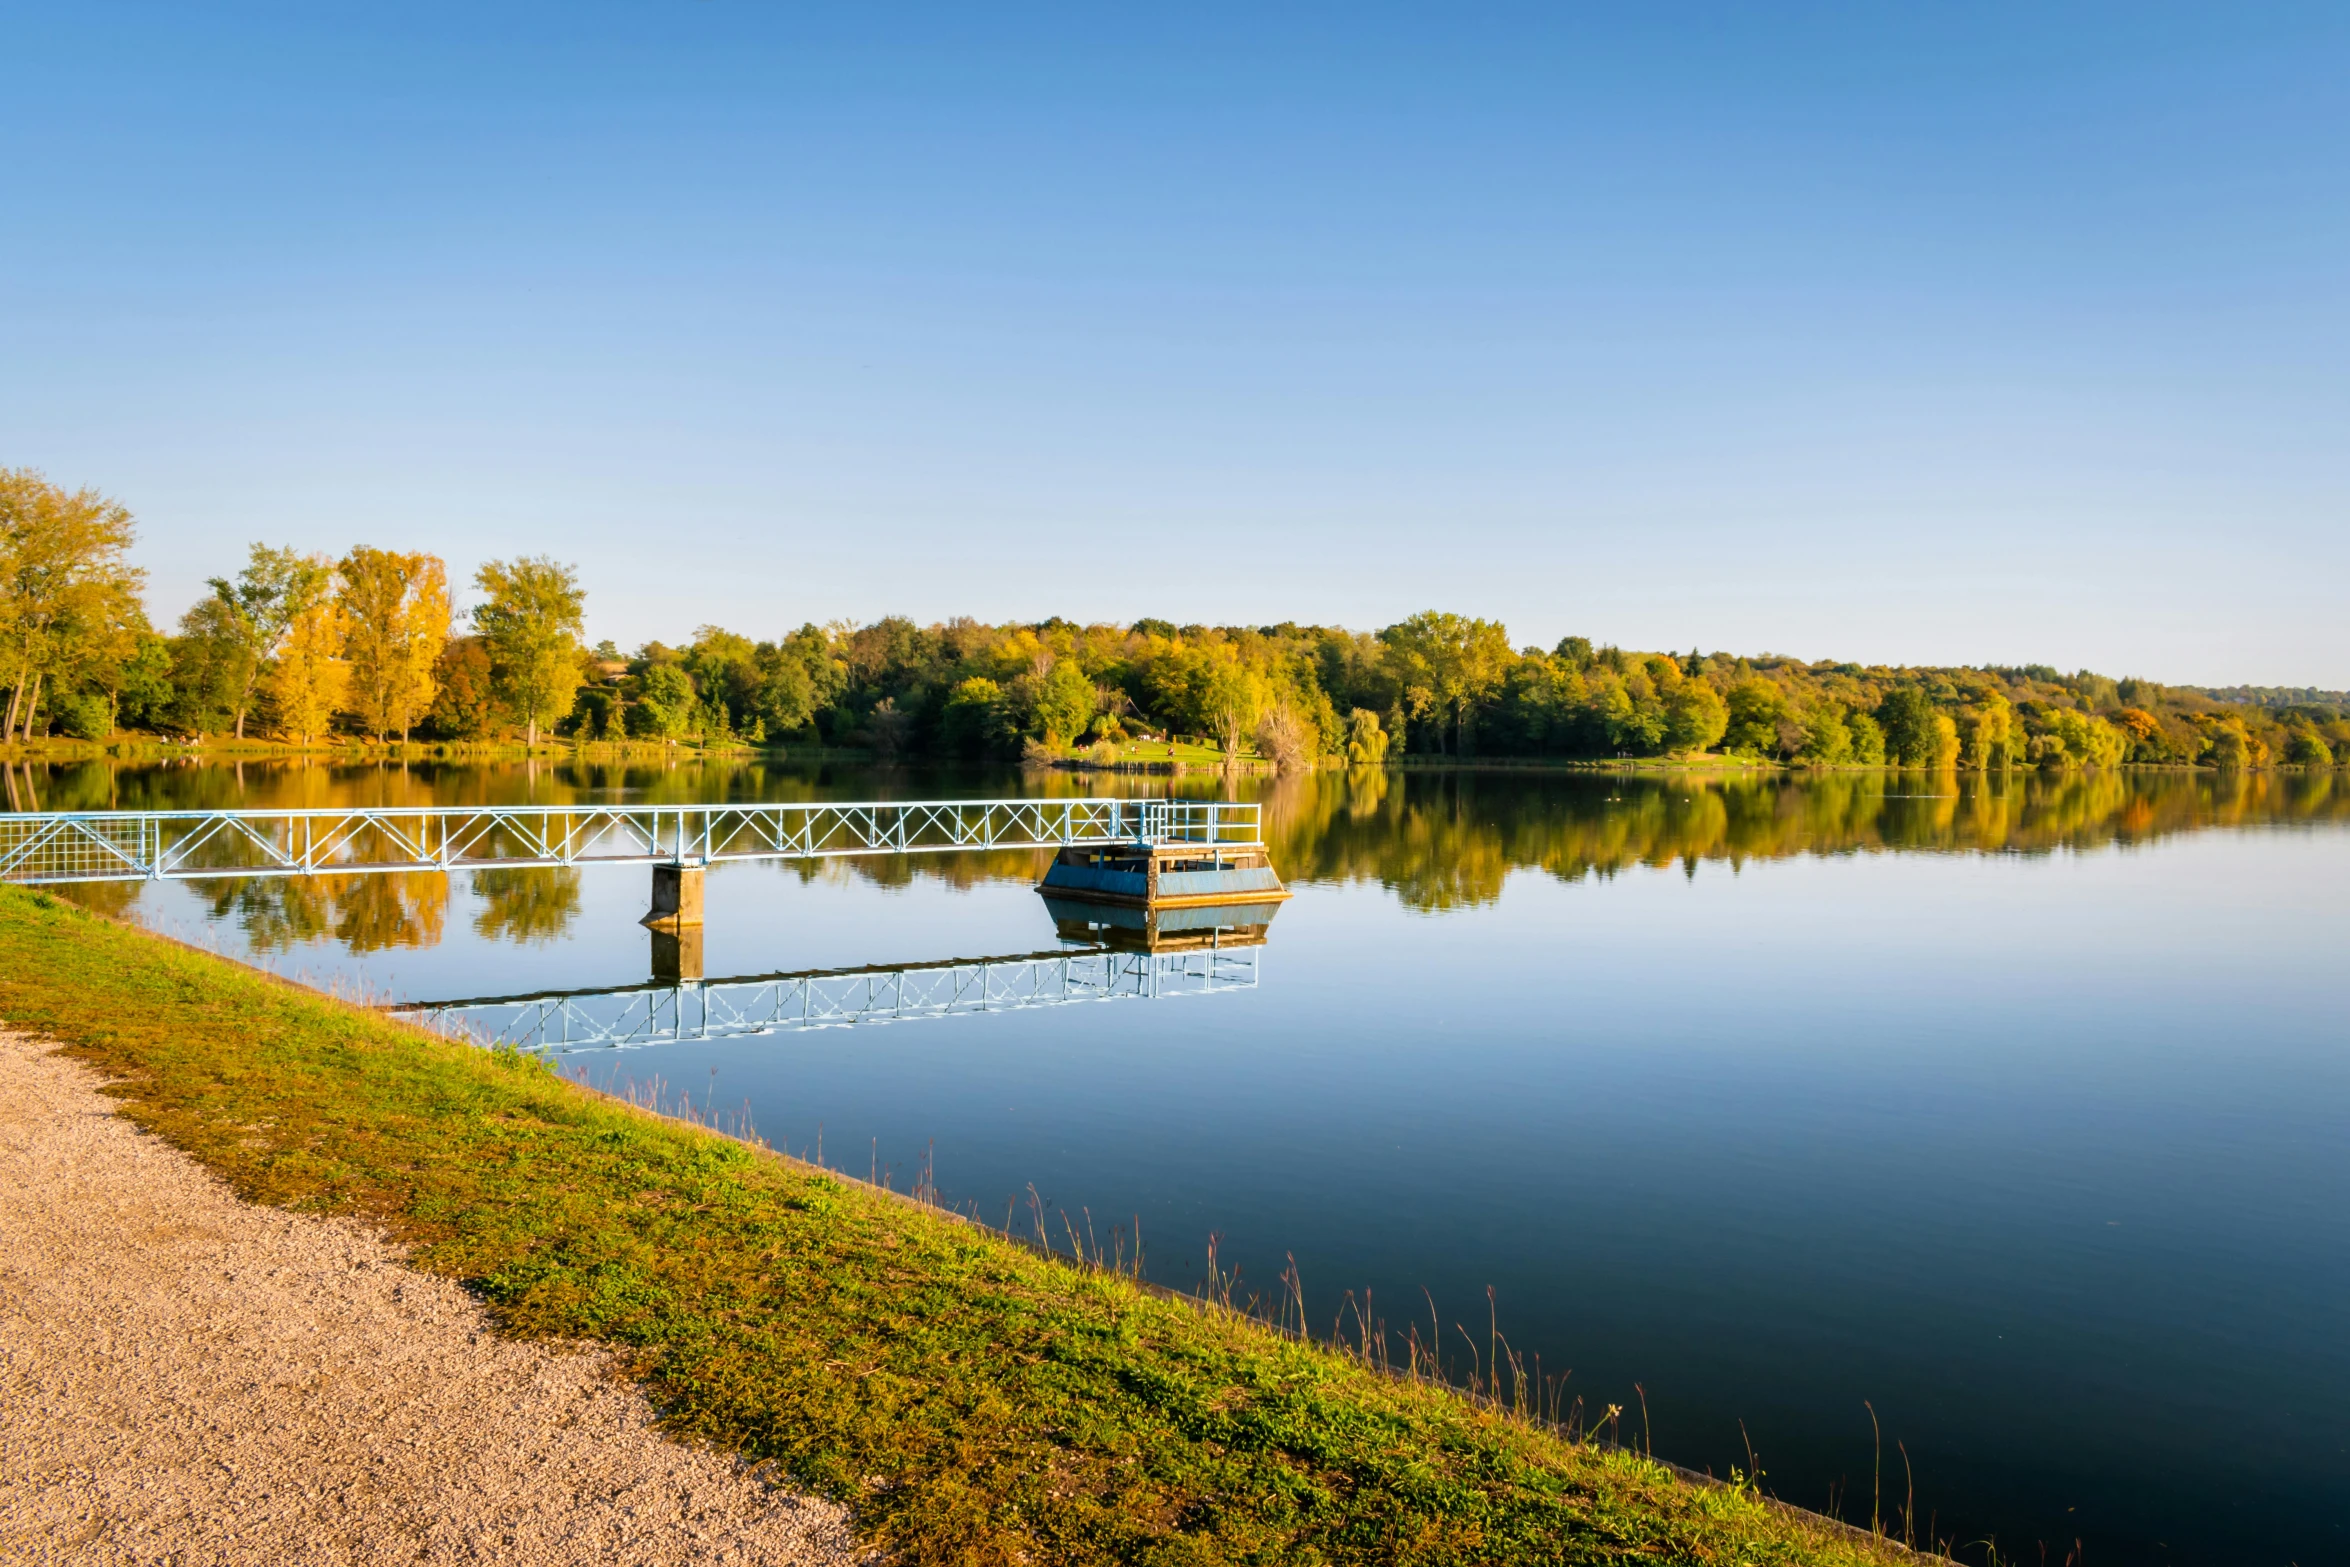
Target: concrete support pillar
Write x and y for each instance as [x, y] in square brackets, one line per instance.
[677, 954]
[677, 897]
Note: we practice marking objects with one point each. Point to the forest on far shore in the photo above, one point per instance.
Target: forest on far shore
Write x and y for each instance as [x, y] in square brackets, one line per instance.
[368, 646]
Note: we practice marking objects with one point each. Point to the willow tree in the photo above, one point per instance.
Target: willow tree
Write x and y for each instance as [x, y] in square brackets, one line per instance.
[531, 627]
[396, 607]
[69, 600]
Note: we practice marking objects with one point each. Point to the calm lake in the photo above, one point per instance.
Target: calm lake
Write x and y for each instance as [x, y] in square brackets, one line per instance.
[2017, 1110]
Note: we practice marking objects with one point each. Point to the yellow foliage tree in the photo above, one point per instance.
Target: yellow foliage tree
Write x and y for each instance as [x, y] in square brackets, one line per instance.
[1945, 741]
[311, 678]
[396, 610]
[1990, 739]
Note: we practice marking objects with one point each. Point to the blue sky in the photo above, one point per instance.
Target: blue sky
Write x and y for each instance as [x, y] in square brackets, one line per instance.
[1908, 333]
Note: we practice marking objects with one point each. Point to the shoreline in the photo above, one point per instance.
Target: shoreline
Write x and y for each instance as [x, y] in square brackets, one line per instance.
[151, 751]
[357, 1114]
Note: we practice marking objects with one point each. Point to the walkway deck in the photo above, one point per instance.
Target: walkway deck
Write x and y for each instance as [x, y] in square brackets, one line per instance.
[67, 846]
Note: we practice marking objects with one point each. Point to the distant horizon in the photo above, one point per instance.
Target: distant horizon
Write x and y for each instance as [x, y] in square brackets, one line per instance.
[1922, 338]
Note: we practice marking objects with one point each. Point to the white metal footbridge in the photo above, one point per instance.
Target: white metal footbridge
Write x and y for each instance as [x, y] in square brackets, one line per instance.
[71, 846]
[634, 1016]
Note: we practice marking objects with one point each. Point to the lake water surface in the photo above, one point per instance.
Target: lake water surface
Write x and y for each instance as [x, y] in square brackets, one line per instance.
[2015, 1109]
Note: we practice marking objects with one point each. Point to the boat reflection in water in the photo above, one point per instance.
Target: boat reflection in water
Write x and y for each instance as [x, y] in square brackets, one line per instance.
[1234, 927]
[1108, 953]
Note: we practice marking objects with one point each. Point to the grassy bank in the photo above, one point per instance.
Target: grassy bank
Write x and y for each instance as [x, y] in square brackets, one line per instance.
[975, 1401]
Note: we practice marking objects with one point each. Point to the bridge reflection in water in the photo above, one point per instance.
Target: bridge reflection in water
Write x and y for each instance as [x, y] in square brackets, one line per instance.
[1109, 954]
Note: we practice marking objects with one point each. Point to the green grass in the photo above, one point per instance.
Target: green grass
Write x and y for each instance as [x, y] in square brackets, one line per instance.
[1181, 753]
[975, 1402]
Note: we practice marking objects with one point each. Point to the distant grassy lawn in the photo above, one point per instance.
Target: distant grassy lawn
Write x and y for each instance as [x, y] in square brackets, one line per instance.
[975, 1402]
[1183, 752]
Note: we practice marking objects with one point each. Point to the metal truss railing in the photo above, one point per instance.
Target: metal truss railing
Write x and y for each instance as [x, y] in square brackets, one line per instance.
[634, 1016]
[63, 846]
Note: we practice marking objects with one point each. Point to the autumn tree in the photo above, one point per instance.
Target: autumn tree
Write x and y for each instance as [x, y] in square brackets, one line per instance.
[1990, 737]
[2075, 739]
[275, 588]
[395, 609]
[2308, 748]
[310, 679]
[2142, 729]
[69, 599]
[464, 702]
[530, 626]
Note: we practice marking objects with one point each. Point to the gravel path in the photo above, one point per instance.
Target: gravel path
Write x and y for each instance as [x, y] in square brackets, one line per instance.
[186, 1378]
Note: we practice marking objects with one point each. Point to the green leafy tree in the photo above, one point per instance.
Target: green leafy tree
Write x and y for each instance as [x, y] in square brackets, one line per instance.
[1228, 700]
[86, 715]
[784, 695]
[1366, 742]
[530, 626]
[664, 705]
[143, 689]
[973, 721]
[1868, 740]
[206, 660]
[1631, 714]
[274, 590]
[1906, 715]
[1757, 708]
[1448, 664]
[69, 598]
[1065, 703]
[1695, 716]
[1827, 735]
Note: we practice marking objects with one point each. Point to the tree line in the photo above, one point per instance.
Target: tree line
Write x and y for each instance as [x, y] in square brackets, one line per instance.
[368, 645]
[300, 647]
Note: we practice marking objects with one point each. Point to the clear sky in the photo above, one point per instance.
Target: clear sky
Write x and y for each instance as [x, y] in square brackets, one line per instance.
[1926, 333]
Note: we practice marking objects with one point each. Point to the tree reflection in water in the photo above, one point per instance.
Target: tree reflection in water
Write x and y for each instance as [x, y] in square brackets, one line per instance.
[1439, 839]
[534, 904]
[1445, 840]
[370, 913]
